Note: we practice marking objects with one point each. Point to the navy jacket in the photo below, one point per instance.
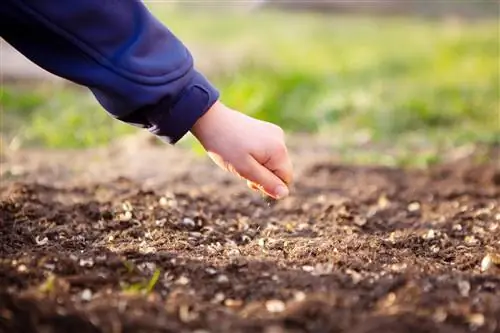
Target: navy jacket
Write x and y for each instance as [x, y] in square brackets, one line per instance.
[137, 69]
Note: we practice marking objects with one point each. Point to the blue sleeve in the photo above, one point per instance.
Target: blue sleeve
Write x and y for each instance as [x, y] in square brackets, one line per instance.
[137, 69]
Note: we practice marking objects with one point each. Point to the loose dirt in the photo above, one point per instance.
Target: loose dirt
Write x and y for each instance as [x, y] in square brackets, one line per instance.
[354, 249]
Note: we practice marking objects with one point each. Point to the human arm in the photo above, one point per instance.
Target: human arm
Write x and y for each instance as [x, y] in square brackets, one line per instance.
[143, 75]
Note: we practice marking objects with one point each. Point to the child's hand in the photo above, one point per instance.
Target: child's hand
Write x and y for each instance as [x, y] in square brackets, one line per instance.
[252, 149]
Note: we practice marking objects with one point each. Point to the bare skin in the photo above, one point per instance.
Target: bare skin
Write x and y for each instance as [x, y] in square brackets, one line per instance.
[252, 149]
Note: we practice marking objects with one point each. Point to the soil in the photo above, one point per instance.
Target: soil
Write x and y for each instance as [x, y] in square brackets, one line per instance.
[354, 249]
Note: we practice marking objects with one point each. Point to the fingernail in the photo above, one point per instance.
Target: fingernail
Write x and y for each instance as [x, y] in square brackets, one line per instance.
[281, 191]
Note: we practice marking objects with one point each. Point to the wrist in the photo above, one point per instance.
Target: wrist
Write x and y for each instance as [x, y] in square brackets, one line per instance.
[202, 126]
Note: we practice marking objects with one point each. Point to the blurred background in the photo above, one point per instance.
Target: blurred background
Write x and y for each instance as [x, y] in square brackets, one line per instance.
[388, 75]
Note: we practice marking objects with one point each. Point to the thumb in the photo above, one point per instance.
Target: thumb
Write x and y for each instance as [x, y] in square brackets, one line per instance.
[256, 173]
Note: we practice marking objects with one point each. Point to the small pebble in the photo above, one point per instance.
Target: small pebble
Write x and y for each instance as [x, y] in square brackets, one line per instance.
[307, 268]
[275, 306]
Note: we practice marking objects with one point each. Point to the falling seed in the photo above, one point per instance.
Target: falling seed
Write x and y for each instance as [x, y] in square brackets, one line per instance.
[22, 268]
[457, 227]
[275, 306]
[86, 295]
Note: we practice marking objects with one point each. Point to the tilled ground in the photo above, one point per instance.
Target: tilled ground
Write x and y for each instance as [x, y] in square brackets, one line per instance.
[354, 249]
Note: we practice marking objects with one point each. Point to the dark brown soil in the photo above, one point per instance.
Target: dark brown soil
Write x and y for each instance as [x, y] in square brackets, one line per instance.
[354, 249]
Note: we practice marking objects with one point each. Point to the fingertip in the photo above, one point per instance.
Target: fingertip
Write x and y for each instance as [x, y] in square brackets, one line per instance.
[281, 191]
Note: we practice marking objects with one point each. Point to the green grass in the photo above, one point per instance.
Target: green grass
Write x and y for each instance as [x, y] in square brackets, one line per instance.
[393, 80]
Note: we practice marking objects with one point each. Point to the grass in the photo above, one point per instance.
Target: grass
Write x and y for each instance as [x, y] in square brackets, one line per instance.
[396, 80]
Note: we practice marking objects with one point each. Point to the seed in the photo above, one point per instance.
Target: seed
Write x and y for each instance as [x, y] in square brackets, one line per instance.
[125, 217]
[233, 303]
[476, 319]
[307, 268]
[430, 234]
[222, 279]
[188, 222]
[489, 260]
[182, 281]
[127, 206]
[87, 262]
[464, 288]
[163, 201]
[275, 306]
[42, 242]
[413, 207]
[299, 296]
[86, 295]
[470, 240]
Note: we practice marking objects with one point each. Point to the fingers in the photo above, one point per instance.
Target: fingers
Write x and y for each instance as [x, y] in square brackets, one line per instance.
[262, 178]
[280, 164]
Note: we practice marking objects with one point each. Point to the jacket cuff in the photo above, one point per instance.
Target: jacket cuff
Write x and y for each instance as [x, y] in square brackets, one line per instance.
[171, 120]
